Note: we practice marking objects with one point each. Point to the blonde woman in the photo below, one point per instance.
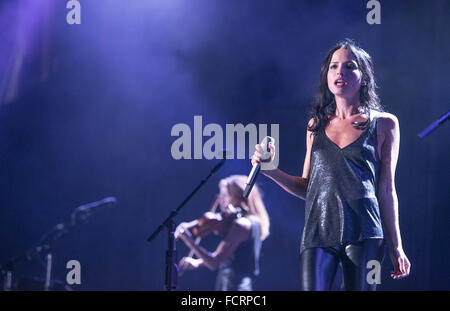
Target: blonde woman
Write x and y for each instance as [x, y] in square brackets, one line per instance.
[243, 224]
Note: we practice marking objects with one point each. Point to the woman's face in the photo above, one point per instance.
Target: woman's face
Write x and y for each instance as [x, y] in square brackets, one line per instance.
[344, 77]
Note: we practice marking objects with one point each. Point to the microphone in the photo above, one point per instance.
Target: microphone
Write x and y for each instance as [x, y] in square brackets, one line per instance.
[109, 201]
[434, 125]
[257, 167]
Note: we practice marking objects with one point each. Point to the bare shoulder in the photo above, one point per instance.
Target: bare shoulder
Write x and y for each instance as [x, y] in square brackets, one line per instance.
[386, 121]
[388, 136]
[240, 230]
[310, 122]
[309, 133]
[242, 224]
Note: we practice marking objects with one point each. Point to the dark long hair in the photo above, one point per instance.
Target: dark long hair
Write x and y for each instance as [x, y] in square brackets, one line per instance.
[324, 105]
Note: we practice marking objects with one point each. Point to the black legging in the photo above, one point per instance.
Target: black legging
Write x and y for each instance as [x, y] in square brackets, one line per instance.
[318, 266]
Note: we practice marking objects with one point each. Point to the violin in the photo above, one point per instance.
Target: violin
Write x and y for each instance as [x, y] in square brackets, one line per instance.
[213, 221]
[210, 222]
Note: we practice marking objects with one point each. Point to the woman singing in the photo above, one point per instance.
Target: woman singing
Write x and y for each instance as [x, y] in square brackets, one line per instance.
[348, 175]
[243, 223]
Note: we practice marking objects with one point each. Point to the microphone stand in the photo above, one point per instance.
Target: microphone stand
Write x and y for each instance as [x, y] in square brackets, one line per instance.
[45, 244]
[7, 272]
[171, 253]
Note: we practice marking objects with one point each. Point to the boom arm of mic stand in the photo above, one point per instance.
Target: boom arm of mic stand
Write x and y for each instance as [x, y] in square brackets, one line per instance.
[166, 223]
[171, 253]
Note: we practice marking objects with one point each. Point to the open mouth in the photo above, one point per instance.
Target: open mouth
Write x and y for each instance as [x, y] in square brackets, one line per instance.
[340, 82]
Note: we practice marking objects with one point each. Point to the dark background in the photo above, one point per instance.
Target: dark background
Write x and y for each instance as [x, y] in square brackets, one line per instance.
[86, 112]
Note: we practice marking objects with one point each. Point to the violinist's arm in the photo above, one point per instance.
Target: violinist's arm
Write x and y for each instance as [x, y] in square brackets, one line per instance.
[239, 232]
[186, 225]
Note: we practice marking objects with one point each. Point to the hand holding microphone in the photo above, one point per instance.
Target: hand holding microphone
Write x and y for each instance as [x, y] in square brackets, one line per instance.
[261, 159]
[264, 152]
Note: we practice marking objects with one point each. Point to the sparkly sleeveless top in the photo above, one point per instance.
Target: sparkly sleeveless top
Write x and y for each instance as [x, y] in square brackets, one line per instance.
[341, 203]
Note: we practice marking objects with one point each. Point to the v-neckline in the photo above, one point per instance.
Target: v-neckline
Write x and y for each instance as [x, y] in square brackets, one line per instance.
[348, 145]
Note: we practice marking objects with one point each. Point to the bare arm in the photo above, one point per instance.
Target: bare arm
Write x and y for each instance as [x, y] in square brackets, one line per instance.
[295, 185]
[388, 129]
[239, 232]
